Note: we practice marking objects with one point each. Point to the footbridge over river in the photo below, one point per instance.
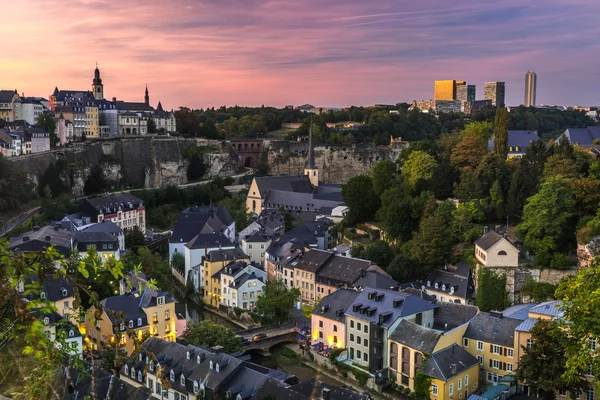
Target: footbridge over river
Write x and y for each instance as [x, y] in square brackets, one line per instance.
[275, 335]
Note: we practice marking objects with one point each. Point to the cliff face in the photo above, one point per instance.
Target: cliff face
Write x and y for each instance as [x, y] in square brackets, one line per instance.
[141, 162]
[147, 162]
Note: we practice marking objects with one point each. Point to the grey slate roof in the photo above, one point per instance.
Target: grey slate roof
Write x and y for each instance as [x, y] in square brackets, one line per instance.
[415, 336]
[95, 237]
[519, 311]
[517, 138]
[374, 279]
[450, 315]
[312, 261]
[110, 204]
[42, 238]
[329, 307]
[582, 136]
[488, 328]
[105, 226]
[408, 305]
[460, 280]
[286, 183]
[301, 201]
[195, 220]
[243, 278]
[226, 254]
[257, 237]
[128, 305]
[313, 388]
[6, 96]
[208, 240]
[52, 287]
[439, 365]
[488, 240]
[343, 269]
[133, 106]
[526, 325]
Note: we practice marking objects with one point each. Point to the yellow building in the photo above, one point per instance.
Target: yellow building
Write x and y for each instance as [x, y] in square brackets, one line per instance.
[445, 90]
[490, 338]
[410, 344]
[150, 313]
[454, 374]
[213, 265]
[92, 122]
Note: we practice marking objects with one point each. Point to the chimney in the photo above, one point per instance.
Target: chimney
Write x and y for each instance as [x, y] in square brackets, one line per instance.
[325, 393]
[36, 228]
[25, 238]
[114, 99]
[48, 238]
[486, 229]
[453, 366]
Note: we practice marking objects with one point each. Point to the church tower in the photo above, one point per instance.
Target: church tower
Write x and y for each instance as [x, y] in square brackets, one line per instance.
[311, 169]
[97, 86]
[147, 97]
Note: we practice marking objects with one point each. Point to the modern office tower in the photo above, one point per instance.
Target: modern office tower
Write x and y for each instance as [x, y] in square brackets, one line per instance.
[465, 92]
[495, 92]
[445, 90]
[530, 87]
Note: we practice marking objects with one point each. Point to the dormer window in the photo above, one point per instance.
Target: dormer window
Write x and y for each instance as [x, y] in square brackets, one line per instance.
[147, 359]
[139, 322]
[71, 333]
[195, 387]
[211, 364]
[217, 367]
[133, 373]
[122, 327]
[188, 355]
[172, 376]
[126, 370]
[443, 287]
[436, 285]
[198, 360]
[64, 292]
[140, 376]
[42, 295]
[131, 324]
[152, 367]
[160, 300]
[182, 381]
[452, 290]
[428, 283]
[46, 320]
[140, 357]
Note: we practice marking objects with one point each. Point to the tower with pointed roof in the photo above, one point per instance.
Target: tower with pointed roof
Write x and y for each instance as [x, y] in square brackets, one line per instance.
[97, 86]
[311, 169]
[147, 97]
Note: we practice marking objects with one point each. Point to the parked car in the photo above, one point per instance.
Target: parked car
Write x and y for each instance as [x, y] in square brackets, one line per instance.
[259, 336]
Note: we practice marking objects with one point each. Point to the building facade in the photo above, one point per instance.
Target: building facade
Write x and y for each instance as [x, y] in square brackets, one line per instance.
[465, 92]
[530, 88]
[444, 90]
[124, 210]
[494, 91]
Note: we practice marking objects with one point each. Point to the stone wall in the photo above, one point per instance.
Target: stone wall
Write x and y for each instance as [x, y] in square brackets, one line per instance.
[337, 164]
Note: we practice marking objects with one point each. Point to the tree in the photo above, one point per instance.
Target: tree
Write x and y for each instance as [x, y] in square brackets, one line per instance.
[548, 223]
[464, 221]
[492, 169]
[95, 182]
[422, 386]
[501, 132]
[432, 243]
[580, 305]
[543, 364]
[208, 130]
[360, 197]
[208, 333]
[307, 310]
[403, 269]
[277, 300]
[559, 165]
[469, 152]
[383, 176]
[491, 293]
[151, 125]
[47, 123]
[419, 167]
[178, 262]
[400, 220]
[134, 238]
[468, 187]
[483, 129]
[379, 252]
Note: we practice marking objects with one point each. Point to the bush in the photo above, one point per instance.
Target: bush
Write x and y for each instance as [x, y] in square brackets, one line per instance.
[560, 261]
[238, 311]
[334, 353]
[406, 391]
[538, 291]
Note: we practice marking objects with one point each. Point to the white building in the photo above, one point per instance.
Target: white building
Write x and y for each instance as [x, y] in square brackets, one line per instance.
[196, 250]
[30, 110]
[255, 246]
[40, 140]
[242, 284]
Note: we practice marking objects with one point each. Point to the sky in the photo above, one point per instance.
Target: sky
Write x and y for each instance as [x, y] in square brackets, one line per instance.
[205, 53]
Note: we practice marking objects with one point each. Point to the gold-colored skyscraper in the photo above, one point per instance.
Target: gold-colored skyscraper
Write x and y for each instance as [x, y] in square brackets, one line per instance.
[445, 90]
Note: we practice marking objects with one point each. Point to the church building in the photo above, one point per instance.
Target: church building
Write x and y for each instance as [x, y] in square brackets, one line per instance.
[300, 194]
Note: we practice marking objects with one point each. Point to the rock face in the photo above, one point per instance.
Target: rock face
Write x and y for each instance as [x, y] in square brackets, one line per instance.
[143, 162]
[154, 161]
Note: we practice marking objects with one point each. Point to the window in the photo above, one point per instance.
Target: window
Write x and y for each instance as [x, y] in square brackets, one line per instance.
[320, 324]
[496, 364]
[480, 359]
[466, 380]
[592, 344]
[529, 342]
[590, 371]
[160, 300]
[122, 327]
[131, 324]
[459, 384]
[352, 337]
[195, 387]
[434, 390]
[366, 343]
[42, 295]
[590, 394]
[404, 380]
[509, 353]
[480, 346]
[358, 326]
[139, 322]
[496, 349]
[351, 324]
[335, 328]
[358, 354]
[334, 339]
[358, 340]
[365, 357]
[465, 342]
[562, 393]
[320, 334]
[126, 370]
[123, 339]
[46, 320]
[509, 367]
[71, 333]
[451, 389]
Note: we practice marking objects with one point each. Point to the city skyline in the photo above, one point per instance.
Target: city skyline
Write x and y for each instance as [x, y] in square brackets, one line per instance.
[530, 89]
[200, 54]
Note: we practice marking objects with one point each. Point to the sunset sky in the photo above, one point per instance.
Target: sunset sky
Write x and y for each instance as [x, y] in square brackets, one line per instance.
[200, 53]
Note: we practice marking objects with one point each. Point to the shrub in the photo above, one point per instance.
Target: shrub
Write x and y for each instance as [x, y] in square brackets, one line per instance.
[406, 391]
[238, 311]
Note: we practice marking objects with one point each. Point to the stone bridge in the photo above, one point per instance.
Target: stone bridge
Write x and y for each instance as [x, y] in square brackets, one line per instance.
[265, 344]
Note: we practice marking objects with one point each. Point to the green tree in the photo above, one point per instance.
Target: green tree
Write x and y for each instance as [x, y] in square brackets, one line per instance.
[544, 362]
[403, 269]
[468, 187]
[95, 182]
[580, 305]
[277, 300]
[151, 125]
[307, 310]
[469, 152]
[419, 167]
[208, 130]
[379, 253]
[208, 333]
[491, 293]
[559, 165]
[432, 243]
[360, 197]
[400, 220]
[483, 129]
[501, 121]
[548, 223]
[178, 262]
[47, 123]
[422, 386]
[464, 221]
[134, 238]
[383, 176]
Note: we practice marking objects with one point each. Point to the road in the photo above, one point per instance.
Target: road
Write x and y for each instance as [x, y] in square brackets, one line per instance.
[274, 331]
[18, 220]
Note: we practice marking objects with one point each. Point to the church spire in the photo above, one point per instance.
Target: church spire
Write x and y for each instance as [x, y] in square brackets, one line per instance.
[147, 97]
[97, 87]
[311, 147]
